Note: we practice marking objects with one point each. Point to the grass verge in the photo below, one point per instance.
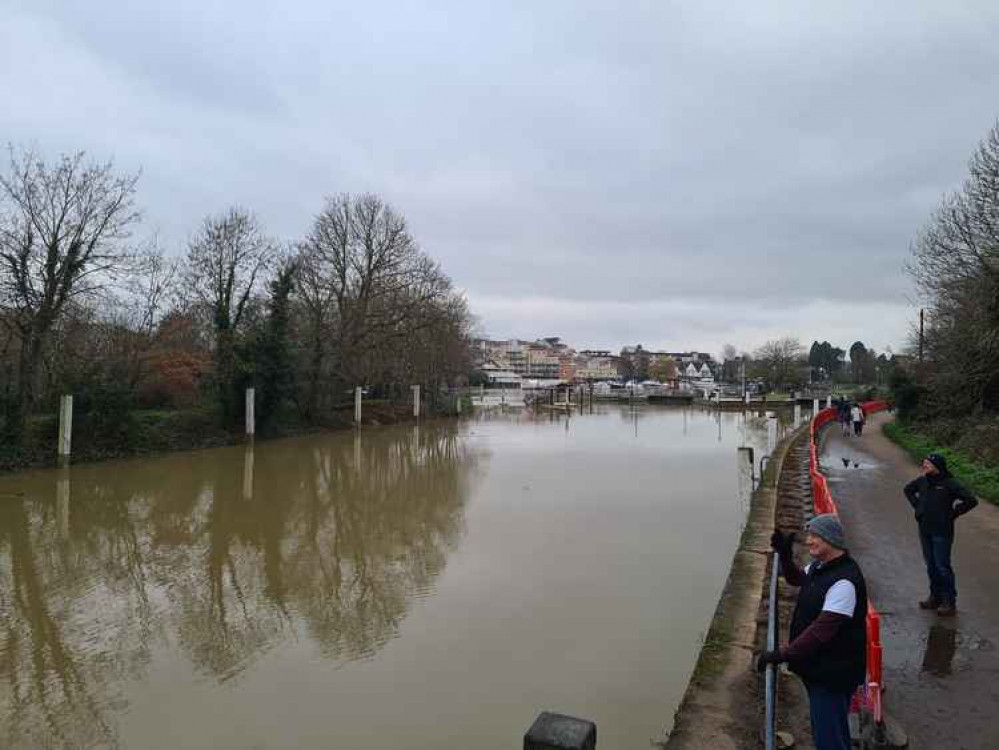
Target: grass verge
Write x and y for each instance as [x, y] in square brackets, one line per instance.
[979, 477]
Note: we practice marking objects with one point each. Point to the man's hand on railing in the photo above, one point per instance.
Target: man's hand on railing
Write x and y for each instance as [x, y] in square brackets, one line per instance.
[782, 543]
[769, 657]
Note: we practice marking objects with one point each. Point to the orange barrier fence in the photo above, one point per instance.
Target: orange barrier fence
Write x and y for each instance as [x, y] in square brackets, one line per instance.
[824, 503]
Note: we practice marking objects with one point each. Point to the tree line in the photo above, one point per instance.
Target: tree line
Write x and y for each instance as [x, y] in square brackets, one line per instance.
[783, 363]
[88, 307]
[954, 372]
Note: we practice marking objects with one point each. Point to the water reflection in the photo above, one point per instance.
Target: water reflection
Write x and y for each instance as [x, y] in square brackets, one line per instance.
[941, 646]
[214, 558]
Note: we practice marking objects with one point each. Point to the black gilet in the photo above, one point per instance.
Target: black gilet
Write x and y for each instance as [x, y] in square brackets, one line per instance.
[842, 663]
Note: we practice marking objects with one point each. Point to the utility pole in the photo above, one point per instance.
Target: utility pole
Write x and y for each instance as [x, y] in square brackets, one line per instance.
[920, 335]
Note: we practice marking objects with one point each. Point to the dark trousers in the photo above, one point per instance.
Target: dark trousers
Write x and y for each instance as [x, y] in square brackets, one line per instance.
[858, 428]
[829, 710]
[936, 553]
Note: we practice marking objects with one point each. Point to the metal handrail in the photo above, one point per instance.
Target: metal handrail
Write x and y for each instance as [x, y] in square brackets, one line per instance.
[770, 728]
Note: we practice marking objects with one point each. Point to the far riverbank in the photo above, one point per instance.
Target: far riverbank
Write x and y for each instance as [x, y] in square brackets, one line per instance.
[154, 432]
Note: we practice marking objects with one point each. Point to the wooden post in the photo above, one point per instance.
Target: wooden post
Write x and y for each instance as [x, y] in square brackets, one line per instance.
[357, 406]
[416, 400]
[65, 446]
[251, 419]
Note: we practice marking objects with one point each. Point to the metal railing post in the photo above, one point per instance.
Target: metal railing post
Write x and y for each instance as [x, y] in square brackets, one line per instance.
[770, 728]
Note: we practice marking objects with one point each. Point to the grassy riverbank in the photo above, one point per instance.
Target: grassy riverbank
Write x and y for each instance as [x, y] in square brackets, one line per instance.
[978, 473]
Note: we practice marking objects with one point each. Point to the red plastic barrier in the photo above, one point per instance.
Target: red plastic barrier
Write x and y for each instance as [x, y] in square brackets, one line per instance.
[823, 501]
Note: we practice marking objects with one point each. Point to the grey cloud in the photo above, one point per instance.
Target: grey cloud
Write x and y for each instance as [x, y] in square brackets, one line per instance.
[747, 157]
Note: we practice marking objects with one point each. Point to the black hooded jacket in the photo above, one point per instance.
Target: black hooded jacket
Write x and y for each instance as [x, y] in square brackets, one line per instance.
[937, 500]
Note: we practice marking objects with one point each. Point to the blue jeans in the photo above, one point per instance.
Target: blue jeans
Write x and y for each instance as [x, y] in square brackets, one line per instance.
[829, 710]
[936, 553]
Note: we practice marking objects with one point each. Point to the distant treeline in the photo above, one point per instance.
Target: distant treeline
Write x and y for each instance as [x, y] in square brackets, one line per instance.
[89, 308]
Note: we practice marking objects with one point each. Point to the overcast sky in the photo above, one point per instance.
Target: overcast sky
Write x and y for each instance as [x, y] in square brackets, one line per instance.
[681, 175]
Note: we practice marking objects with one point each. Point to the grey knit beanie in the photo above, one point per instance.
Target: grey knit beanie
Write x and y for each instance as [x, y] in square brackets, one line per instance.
[829, 528]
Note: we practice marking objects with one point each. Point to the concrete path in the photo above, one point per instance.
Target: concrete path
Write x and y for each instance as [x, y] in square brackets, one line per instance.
[942, 674]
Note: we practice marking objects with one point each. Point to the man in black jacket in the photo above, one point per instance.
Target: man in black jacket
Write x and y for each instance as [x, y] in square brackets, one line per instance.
[938, 498]
[828, 643]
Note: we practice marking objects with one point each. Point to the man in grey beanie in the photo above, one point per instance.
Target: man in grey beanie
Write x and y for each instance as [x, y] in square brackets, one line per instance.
[828, 638]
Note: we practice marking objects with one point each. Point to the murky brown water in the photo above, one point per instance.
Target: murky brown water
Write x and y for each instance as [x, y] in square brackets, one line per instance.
[406, 587]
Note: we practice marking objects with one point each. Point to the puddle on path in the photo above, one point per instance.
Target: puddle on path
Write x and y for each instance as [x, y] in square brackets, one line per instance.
[948, 650]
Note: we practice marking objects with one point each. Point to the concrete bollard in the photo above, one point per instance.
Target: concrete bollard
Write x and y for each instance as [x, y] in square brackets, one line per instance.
[829, 401]
[797, 414]
[552, 731]
[746, 395]
[357, 406]
[251, 417]
[416, 400]
[65, 447]
[771, 433]
[815, 407]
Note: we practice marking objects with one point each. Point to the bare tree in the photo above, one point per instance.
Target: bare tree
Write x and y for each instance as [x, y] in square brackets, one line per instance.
[956, 264]
[63, 235]
[227, 264]
[781, 359]
[378, 281]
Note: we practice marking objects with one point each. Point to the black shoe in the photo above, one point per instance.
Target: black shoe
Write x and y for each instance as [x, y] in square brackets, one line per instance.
[946, 610]
[931, 603]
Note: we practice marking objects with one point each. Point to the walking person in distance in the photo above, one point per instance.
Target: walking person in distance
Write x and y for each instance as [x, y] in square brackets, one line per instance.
[844, 416]
[938, 499]
[857, 415]
[828, 638]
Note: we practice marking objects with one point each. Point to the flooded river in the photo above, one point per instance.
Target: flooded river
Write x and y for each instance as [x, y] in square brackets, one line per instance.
[419, 587]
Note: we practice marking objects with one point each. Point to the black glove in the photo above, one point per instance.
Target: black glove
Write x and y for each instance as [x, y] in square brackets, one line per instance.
[769, 657]
[782, 543]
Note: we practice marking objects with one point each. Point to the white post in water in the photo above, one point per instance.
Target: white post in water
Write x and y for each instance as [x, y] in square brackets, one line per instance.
[251, 418]
[797, 414]
[65, 428]
[357, 406]
[815, 407]
[747, 397]
[248, 473]
[746, 466]
[416, 400]
[829, 401]
[62, 501]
